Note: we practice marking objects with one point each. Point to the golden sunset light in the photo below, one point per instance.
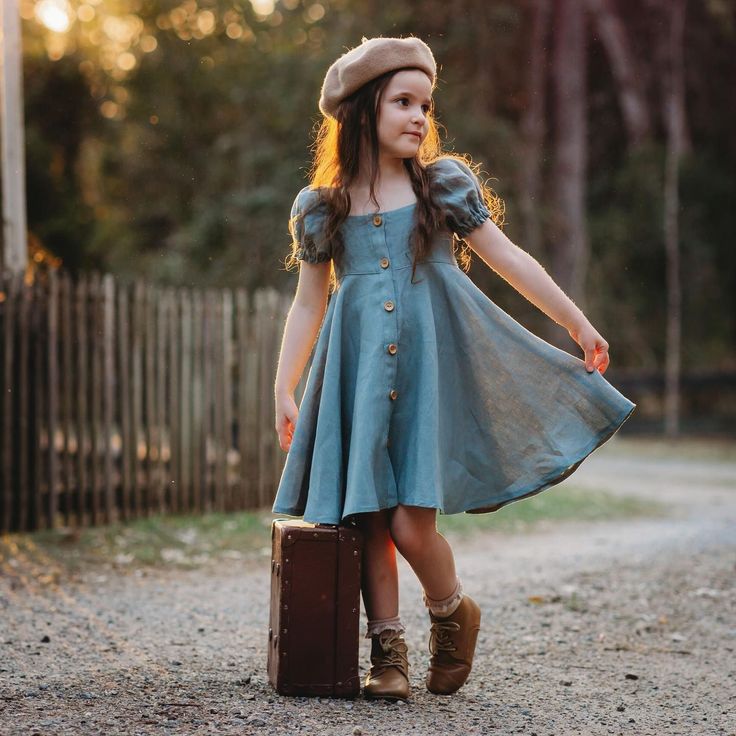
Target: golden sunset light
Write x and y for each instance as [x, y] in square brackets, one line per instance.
[56, 15]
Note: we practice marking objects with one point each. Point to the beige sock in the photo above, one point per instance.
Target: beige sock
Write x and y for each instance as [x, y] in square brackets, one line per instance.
[376, 626]
[446, 606]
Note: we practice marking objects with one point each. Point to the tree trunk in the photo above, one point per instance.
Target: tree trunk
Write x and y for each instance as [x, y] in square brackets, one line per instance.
[570, 248]
[674, 119]
[624, 67]
[533, 129]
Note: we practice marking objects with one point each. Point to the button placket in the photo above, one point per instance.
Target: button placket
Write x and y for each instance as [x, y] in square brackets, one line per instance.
[389, 305]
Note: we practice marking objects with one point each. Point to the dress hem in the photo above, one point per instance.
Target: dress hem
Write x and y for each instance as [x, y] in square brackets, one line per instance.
[562, 472]
[553, 478]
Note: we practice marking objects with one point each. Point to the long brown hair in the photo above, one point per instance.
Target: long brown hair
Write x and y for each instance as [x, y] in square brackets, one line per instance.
[335, 166]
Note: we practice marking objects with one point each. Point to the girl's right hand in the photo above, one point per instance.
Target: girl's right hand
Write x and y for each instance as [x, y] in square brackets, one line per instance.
[286, 416]
[593, 345]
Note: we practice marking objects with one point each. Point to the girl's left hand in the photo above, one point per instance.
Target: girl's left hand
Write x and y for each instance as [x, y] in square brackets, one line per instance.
[594, 347]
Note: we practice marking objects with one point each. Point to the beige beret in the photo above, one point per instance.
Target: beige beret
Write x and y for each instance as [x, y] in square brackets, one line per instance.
[374, 56]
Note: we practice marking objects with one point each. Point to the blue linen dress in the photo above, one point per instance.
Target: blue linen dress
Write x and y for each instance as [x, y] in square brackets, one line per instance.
[428, 393]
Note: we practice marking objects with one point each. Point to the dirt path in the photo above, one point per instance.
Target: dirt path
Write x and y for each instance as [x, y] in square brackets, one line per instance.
[621, 627]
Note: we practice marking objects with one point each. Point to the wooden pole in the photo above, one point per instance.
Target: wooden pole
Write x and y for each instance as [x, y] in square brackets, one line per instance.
[14, 253]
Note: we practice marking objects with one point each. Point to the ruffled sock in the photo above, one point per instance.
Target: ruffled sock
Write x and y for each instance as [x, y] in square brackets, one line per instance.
[376, 626]
[446, 606]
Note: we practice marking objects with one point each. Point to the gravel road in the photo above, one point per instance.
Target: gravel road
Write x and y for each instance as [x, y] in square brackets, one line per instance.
[620, 627]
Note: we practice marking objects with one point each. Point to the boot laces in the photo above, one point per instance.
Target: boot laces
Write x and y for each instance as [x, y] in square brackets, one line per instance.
[440, 638]
[394, 653]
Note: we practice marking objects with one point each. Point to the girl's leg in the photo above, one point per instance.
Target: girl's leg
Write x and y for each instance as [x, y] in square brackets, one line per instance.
[414, 532]
[389, 673]
[454, 617]
[379, 574]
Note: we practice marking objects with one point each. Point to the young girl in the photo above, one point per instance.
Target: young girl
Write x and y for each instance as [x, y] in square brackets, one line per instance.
[423, 394]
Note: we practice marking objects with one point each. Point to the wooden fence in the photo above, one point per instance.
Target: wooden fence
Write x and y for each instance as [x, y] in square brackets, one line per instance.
[125, 400]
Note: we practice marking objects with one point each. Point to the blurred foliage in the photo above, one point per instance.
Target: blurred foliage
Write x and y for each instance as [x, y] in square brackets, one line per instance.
[169, 139]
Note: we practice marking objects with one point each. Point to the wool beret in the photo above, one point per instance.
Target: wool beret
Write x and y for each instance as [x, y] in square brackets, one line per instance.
[374, 56]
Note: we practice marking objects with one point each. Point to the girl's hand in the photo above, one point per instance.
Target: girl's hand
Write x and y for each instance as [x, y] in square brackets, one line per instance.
[594, 347]
[286, 416]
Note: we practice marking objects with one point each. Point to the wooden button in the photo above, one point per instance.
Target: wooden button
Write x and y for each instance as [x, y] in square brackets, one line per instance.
[392, 348]
[377, 220]
[394, 393]
[388, 306]
[384, 262]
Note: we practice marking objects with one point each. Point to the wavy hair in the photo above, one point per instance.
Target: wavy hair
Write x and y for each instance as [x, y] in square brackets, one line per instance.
[335, 166]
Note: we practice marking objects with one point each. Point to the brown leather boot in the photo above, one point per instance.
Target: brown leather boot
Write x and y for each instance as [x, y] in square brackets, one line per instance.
[389, 675]
[452, 642]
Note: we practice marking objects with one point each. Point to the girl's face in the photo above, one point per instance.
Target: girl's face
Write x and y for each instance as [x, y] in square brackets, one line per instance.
[402, 113]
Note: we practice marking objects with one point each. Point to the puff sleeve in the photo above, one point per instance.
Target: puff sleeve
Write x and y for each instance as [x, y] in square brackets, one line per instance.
[307, 227]
[456, 190]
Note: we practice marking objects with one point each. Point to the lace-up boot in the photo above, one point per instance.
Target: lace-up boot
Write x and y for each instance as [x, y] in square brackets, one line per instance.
[452, 642]
[389, 675]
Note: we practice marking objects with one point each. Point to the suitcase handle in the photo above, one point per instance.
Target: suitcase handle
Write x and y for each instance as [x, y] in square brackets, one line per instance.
[351, 523]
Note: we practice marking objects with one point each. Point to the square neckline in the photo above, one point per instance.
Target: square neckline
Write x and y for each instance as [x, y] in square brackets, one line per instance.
[383, 213]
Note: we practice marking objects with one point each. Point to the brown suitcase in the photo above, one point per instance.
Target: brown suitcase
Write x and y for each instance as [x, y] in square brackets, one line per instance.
[313, 638]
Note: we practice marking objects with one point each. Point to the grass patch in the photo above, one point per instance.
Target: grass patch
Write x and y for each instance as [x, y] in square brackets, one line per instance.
[193, 541]
[719, 449]
[559, 503]
[178, 541]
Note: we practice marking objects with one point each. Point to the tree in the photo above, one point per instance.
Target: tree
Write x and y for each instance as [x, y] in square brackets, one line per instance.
[533, 127]
[625, 69]
[571, 248]
[674, 119]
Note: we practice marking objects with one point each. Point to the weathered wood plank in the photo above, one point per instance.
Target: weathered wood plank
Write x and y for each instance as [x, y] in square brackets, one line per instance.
[66, 393]
[186, 448]
[26, 421]
[108, 397]
[95, 304]
[52, 397]
[81, 383]
[160, 400]
[172, 399]
[227, 399]
[136, 395]
[149, 391]
[9, 286]
[242, 440]
[127, 436]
